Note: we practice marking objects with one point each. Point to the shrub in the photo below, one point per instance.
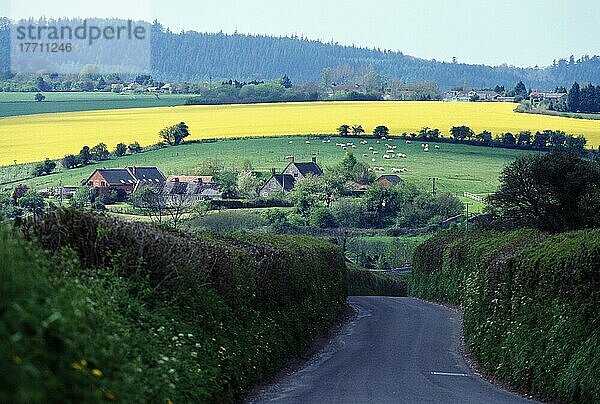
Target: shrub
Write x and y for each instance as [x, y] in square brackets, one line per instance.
[530, 303]
[162, 314]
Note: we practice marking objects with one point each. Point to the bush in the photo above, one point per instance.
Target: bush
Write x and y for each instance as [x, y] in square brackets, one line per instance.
[367, 283]
[160, 315]
[530, 304]
[322, 217]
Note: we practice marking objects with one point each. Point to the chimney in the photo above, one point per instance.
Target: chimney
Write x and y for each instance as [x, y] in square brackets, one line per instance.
[291, 159]
[314, 158]
[273, 171]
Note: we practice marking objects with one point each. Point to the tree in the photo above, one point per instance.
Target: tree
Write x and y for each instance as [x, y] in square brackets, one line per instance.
[247, 184]
[524, 138]
[285, 81]
[520, 90]
[70, 161]
[347, 164]
[134, 148]
[39, 97]
[81, 198]
[461, 133]
[322, 217]
[33, 203]
[120, 150]
[484, 137]
[100, 152]
[357, 130]
[44, 168]
[343, 130]
[175, 134]
[573, 98]
[381, 131]
[554, 191]
[41, 85]
[508, 139]
[151, 202]
[227, 182]
[85, 156]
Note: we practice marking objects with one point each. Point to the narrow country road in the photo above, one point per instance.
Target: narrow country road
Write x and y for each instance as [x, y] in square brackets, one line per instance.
[397, 350]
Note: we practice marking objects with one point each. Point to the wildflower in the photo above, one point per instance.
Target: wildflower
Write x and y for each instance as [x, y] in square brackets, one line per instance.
[198, 345]
[181, 335]
[169, 401]
[194, 354]
[174, 338]
[17, 360]
[109, 395]
[190, 335]
[96, 372]
[171, 370]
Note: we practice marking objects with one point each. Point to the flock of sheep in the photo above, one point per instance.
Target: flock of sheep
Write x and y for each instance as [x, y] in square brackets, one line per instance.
[389, 154]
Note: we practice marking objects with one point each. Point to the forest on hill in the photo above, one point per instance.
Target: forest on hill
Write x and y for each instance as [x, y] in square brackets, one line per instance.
[200, 56]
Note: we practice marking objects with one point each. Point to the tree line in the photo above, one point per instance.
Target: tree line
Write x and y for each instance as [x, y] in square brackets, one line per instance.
[200, 56]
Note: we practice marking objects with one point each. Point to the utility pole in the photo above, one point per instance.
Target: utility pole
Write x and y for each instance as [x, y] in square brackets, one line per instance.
[433, 188]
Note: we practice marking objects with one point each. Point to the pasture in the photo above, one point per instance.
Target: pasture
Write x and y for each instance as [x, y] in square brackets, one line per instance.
[35, 137]
[14, 104]
[459, 168]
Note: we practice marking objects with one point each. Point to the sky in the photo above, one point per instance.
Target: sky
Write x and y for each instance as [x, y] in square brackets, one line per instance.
[515, 32]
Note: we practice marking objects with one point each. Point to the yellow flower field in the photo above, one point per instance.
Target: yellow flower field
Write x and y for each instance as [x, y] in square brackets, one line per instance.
[34, 137]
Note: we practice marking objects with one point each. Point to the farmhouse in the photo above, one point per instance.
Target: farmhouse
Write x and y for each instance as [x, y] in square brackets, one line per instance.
[389, 180]
[285, 181]
[193, 187]
[127, 179]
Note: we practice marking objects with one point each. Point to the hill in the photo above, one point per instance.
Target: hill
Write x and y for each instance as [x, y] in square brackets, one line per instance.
[198, 56]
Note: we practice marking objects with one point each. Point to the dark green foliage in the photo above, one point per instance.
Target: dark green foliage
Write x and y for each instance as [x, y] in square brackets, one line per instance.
[530, 304]
[120, 150]
[368, 283]
[174, 135]
[381, 131]
[321, 217]
[44, 168]
[39, 97]
[163, 315]
[554, 191]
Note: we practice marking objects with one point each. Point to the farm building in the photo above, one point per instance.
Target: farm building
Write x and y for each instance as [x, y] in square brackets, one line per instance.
[194, 187]
[285, 181]
[389, 180]
[127, 179]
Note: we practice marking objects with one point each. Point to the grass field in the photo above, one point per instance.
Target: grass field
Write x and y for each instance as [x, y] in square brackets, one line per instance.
[34, 137]
[459, 167]
[14, 104]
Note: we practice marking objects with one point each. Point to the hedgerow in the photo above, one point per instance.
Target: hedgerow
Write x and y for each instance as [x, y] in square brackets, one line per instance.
[126, 311]
[530, 304]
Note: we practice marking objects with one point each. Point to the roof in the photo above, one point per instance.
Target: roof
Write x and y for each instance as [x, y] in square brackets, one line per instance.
[205, 179]
[147, 174]
[308, 168]
[286, 181]
[115, 176]
[394, 179]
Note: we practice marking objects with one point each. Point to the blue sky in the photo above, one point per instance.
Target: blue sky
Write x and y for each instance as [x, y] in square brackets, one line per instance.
[516, 32]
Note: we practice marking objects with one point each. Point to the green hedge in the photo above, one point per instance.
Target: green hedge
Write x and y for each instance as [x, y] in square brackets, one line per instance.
[362, 282]
[159, 315]
[530, 304]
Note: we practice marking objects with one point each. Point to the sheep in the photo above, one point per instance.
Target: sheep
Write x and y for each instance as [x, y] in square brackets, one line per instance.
[371, 148]
[396, 170]
[426, 149]
[390, 151]
[290, 142]
[349, 144]
[408, 142]
[365, 154]
[307, 142]
[354, 146]
[375, 152]
[378, 142]
[386, 156]
[289, 157]
[373, 160]
[437, 147]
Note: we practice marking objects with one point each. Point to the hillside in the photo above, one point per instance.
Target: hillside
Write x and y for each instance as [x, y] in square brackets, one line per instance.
[199, 56]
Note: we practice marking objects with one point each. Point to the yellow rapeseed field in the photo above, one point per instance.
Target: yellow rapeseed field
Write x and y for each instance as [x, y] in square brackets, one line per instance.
[34, 137]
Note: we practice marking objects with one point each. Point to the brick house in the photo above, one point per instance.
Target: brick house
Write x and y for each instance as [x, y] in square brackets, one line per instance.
[127, 179]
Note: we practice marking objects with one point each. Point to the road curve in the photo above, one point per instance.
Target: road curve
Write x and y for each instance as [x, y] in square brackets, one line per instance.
[397, 350]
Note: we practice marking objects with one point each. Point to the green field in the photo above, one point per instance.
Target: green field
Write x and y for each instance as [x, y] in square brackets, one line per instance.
[459, 168]
[13, 104]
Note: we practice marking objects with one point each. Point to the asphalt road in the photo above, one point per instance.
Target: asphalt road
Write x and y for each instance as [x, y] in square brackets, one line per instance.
[397, 350]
